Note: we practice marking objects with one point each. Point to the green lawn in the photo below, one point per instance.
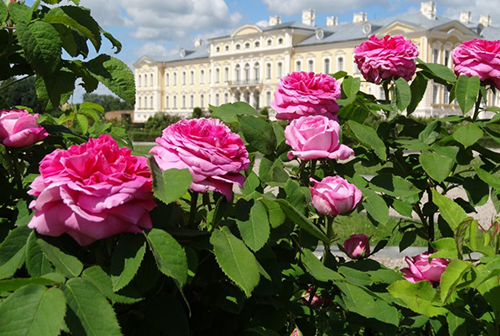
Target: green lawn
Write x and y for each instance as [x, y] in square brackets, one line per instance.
[142, 149]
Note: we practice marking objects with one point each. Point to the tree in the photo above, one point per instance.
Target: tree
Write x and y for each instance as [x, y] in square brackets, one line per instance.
[20, 93]
[109, 102]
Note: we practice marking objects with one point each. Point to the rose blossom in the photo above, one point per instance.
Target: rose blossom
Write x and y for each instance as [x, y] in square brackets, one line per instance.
[315, 137]
[214, 155]
[316, 301]
[478, 58]
[305, 93]
[421, 269]
[18, 128]
[334, 195]
[388, 57]
[92, 191]
[357, 246]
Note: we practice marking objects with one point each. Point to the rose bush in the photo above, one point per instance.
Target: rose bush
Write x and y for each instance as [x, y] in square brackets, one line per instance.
[478, 58]
[420, 268]
[357, 246]
[315, 137]
[306, 93]
[385, 58]
[214, 155]
[18, 128]
[333, 195]
[92, 191]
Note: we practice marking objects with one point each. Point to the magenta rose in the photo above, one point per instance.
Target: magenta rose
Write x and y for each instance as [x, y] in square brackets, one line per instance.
[357, 246]
[18, 128]
[305, 93]
[334, 195]
[478, 58]
[421, 269]
[315, 137]
[388, 57]
[92, 191]
[214, 155]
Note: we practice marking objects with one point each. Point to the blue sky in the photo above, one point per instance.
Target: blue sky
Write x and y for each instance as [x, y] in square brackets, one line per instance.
[161, 27]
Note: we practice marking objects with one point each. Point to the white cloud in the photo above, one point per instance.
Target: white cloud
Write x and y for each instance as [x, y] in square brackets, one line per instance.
[476, 7]
[154, 49]
[294, 7]
[107, 13]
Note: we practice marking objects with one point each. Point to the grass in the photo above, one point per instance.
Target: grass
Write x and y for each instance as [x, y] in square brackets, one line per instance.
[142, 149]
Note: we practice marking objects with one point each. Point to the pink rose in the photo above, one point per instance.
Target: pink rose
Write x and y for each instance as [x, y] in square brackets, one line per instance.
[214, 155]
[421, 269]
[315, 302]
[315, 137]
[305, 93]
[334, 195]
[389, 57]
[357, 246]
[92, 191]
[18, 128]
[478, 58]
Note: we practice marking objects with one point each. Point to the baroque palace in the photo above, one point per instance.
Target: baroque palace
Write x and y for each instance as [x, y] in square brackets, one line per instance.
[246, 65]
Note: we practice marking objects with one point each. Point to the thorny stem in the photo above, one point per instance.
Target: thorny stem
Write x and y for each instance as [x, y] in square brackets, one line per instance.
[478, 104]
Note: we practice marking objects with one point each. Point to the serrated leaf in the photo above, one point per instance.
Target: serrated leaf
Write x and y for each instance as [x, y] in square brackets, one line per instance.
[89, 313]
[276, 175]
[42, 46]
[441, 71]
[36, 261]
[375, 205]
[3, 12]
[369, 137]
[276, 215]
[169, 185]
[229, 113]
[437, 166]
[445, 247]
[452, 213]
[418, 87]
[350, 86]
[20, 12]
[102, 282]
[169, 255]
[116, 44]
[418, 296]
[14, 284]
[258, 133]
[317, 269]
[12, 251]
[55, 89]
[115, 74]
[403, 94]
[468, 134]
[83, 122]
[452, 276]
[254, 226]
[126, 260]
[298, 218]
[430, 132]
[67, 264]
[237, 262]
[33, 310]
[467, 89]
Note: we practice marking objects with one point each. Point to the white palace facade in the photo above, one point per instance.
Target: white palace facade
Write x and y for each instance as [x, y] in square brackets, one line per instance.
[246, 65]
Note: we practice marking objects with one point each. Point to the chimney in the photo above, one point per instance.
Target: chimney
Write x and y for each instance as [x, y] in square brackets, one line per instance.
[485, 20]
[465, 17]
[428, 9]
[359, 17]
[274, 20]
[198, 42]
[332, 21]
[308, 17]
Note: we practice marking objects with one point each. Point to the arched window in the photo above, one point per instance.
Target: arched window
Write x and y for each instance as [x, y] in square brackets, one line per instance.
[145, 80]
[191, 77]
[268, 98]
[298, 66]
[340, 63]
[237, 72]
[226, 74]
[247, 72]
[280, 70]
[280, 41]
[174, 105]
[257, 44]
[167, 79]
[256, 68]
[247, 45]
[183, 101]
[269, 42]
[226, 98]
[217, 49]
[139, 103]
[202, 101]
[226, 48]
[268, 71]
[166, 102]
[238, 47]
[217, 75]
[202, 76]
[310, 66]
[139, 81]
[184, 78]
[326, 66]
[151, 100]
[217, 102]
[151, 80]
[191, 101]
[175, 79]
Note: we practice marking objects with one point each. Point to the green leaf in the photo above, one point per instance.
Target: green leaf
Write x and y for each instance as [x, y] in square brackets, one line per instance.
[418, 87]
[393, 185]
[403, 94]
[115, 74]
[456, 325]
[468, 134]
[350, 85]
[12, 251]
[430, 132]
[437, 166]
[467, 89]
[3, 12]
[490, 179]
[369, 137]
[229, 113]
[169, 185]
[452, 213]
[375, 205]
[55, 89]
[237, 262]
[254, 228]
[276, 215]
[14, 284]
[67, 264]
[116, 44]
[33, 310]
[36, 261]
[42, 46]
[276, 176]
[258, 133]
[102, 282]
[127, 258]
[355, 277]
[19, 12]
[83, 122]
[298, 218]
[452, 276]
[169, 255]
[439, 70]
[418, 296]
[445, 247]
[317, 269]
[89, 313]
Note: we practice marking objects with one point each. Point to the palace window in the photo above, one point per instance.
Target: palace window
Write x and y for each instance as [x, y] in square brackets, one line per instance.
[226, 74]
[298, 66]
[310, 66]
[226, 98]
[280, 41]
[202, 100]
[167, 79]
[326, 66]
[340, 63]
[268, 98]
[139, 81]
[166, 102]
[175, 79]
[257, 44]
[256, 68]
[217, 75]
[191, 101]
[238, 47]
[191, 77]
[139, 103]
[268, 71]
[217, 99]
[183, 101]
[202, 76]
[174, 105]
[184, 78]
[280, 69]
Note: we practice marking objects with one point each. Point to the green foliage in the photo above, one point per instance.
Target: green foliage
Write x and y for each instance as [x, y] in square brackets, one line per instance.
[108, 102]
